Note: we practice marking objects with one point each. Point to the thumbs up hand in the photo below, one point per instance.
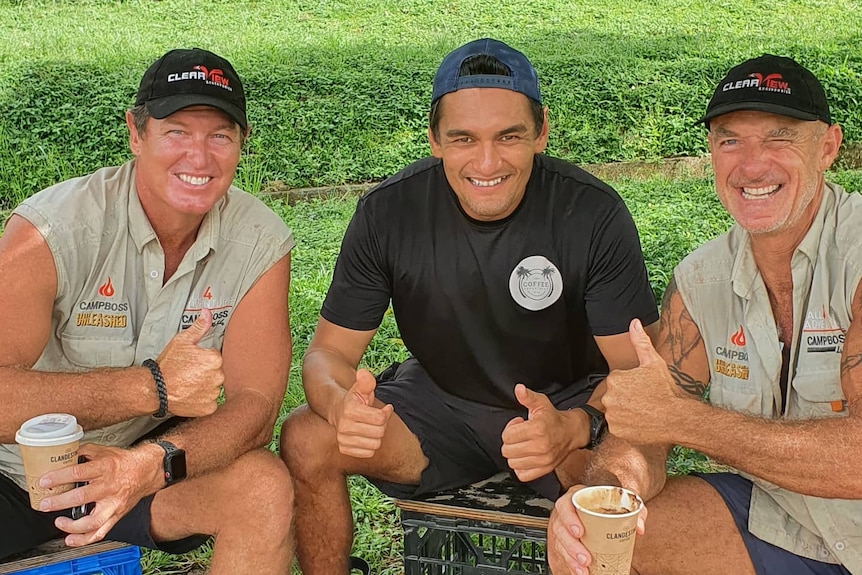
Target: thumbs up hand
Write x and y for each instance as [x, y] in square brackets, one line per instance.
[535, 446]
[639, 402]
[193, 375]
[361, 424]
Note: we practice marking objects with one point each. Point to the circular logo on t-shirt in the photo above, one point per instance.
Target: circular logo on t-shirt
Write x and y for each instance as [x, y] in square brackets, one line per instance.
[535, 283]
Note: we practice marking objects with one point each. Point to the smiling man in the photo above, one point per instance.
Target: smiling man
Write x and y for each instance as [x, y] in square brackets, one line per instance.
[768, 317]
[132, 298]
[513, 277]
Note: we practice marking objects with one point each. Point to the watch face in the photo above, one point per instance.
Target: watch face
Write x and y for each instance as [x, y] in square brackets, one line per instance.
[175, 466]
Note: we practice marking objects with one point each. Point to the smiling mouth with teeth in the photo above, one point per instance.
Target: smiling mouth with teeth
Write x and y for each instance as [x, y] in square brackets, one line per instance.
[487, 183]
[194, 180]
[757, 193]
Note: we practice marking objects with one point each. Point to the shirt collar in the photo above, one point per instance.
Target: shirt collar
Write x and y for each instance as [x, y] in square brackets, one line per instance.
[745, 269]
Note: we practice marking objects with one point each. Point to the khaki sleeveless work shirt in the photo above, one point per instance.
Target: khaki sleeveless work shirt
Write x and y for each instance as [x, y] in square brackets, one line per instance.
[111, 309]
[725, 294]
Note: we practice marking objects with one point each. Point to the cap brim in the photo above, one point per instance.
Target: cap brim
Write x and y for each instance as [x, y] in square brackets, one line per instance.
[161, 108]
[757, 107]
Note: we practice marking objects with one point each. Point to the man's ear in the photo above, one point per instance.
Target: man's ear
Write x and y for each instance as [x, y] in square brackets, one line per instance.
[134, 137]
[436, 149]
[830, 143]
[542, 139]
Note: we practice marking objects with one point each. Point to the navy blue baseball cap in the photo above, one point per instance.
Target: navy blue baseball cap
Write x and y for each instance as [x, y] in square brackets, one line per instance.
[522, 76]
[195, 77]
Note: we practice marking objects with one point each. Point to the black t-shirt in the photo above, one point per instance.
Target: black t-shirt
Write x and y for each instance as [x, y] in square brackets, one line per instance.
[486, 305]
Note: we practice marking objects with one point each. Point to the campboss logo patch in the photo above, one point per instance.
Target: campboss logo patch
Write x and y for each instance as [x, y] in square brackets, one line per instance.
[221, 308]
[101, 313]
[821, 333]
[733, 359]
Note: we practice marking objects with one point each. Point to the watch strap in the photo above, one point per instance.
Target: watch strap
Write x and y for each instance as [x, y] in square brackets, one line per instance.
[598, 425]
[167, 446]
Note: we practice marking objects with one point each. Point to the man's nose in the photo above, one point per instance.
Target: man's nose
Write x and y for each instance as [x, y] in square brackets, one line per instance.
[198, 150]
[488, 159]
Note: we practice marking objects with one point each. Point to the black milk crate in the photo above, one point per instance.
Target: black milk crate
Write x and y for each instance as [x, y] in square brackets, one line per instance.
[494, 526]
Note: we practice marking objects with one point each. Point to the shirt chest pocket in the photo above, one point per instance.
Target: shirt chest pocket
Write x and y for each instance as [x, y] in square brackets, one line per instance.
[735, 395]
[817, 395]
[89, 352]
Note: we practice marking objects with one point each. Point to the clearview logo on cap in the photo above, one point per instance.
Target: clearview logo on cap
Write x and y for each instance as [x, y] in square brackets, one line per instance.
[212, 77]
[766, 83]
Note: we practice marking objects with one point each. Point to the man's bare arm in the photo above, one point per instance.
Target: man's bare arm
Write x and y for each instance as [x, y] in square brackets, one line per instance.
[680, 344]
[619, 354]
[256, 361]
[329, 366]
[825, 458]
[642, 467]
[98, 398]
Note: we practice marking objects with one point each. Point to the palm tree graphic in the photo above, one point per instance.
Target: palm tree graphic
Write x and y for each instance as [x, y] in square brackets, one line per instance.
[523, 273]
[547, 273]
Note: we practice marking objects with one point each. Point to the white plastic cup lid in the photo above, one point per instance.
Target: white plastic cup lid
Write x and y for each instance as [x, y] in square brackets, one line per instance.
[49, 429]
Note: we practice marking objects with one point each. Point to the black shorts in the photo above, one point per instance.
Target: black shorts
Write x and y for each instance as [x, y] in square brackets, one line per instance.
[766, 558]
[23, 528]
[461, 438]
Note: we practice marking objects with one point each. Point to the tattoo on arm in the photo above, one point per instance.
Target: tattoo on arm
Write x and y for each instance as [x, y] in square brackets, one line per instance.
[686, 382]
[680, 323]
[850, 362]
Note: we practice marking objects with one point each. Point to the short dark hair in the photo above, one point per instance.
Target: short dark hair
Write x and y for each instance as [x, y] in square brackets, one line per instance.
[484, 64]
[140, 117]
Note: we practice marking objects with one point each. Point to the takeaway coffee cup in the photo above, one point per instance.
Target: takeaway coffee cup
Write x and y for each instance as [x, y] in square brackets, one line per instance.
[610, 517]
[48, 442]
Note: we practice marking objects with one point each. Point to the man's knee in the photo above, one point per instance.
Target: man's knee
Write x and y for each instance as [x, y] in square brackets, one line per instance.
[259, 486]
[307, 443]
[255, 490]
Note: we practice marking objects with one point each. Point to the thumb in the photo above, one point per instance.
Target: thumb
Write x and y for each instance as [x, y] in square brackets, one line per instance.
[365, 386]
[647, 355]
[200, 327]
[530, 399]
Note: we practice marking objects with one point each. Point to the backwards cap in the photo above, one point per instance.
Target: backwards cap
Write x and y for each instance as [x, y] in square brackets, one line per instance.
[523, 77]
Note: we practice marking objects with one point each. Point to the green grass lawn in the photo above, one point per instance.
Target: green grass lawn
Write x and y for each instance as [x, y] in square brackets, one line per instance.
[338, 89]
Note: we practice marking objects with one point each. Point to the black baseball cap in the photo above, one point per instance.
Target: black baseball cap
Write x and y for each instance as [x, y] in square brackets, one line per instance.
[523, 77]
[194, 77]
[770, 84]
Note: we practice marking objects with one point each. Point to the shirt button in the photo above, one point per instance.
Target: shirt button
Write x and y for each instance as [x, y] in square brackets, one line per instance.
[839, 546]
[824, 552]
[154, 274]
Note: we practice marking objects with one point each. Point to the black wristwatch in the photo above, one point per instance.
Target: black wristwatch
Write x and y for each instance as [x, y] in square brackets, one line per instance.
[598, 425]
[174, 462]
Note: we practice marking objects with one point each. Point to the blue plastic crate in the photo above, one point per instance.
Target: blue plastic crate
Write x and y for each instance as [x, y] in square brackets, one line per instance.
[125, 561]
